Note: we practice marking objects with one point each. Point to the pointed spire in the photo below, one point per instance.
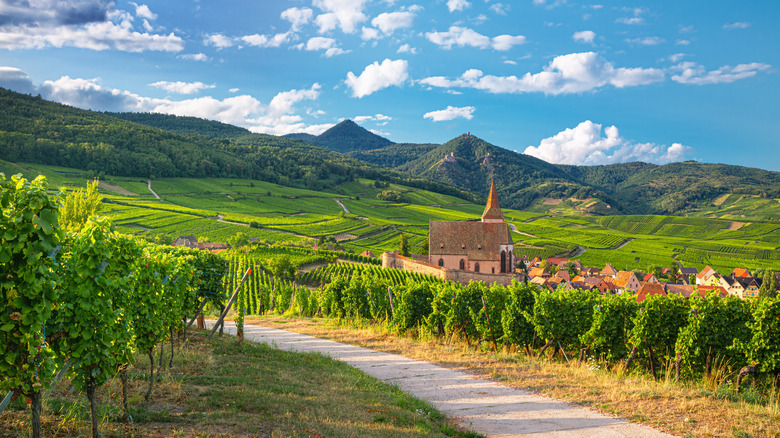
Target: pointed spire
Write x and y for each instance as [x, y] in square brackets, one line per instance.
[492, 211]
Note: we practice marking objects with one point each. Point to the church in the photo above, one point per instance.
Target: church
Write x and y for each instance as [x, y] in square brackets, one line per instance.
[478, 246]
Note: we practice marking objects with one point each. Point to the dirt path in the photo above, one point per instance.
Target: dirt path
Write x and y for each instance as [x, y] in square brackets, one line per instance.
[338, 201]
[480, 405]
[149, 186]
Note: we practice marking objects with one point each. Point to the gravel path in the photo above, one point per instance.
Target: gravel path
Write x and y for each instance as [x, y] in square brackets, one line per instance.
[480, 405]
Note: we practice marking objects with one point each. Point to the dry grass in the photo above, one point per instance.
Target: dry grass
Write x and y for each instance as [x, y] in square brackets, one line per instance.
[707, 408]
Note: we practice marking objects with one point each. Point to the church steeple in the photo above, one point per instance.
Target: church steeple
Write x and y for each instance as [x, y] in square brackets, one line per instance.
[492, 211]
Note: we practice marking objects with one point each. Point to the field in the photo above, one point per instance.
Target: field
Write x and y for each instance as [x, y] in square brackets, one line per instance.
[216, 209]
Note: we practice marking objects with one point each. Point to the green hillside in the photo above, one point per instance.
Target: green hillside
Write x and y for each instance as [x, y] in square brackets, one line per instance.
[183, 125]
[346, 136]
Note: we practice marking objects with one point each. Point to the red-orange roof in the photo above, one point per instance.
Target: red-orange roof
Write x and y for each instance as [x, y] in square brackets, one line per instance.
[648, 289]
[492, 209]
[480, 240]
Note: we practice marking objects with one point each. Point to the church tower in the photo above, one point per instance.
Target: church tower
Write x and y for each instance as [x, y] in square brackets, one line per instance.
[492, 213]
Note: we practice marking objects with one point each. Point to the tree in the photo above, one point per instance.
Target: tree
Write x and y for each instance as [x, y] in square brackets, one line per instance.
[281, 267]
[768, 286]
[572, 269]
[674, 271]
[80, 205]
[240, 239]
[403, 244]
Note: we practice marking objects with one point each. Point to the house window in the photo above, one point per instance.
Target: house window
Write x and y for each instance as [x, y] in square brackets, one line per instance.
[462, 265]
[441, 262]
[476, 267]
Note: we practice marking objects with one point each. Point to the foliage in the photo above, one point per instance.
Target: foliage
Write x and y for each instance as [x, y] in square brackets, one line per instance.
[563, 315]
[714, 325]
[403, 245]
[768, 285]
[79, 205]
[412, 305]
[30, 238]
[658, 323]
[763, 348]
[612, 323]
[518, 330]
[489, 326]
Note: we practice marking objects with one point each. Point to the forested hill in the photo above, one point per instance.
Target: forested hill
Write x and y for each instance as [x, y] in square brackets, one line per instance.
[183, 125]
[347, 136]
[37, 131]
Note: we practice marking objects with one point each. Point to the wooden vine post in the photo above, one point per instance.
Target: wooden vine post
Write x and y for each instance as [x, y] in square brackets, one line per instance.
[221, 321]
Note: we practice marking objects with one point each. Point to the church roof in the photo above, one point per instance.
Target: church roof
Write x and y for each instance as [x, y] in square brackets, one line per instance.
[492, 209]
[480, 240]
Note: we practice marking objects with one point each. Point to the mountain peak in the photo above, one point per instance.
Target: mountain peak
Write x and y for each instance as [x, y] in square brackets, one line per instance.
[348, 136]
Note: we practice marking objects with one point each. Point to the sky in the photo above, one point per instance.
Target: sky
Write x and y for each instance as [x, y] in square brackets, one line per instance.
[573, 82]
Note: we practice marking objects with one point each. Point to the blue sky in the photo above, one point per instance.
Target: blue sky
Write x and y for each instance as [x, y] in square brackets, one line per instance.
[567, 81]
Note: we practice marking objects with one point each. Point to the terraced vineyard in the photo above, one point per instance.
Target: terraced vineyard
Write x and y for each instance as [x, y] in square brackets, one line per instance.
[217, 209]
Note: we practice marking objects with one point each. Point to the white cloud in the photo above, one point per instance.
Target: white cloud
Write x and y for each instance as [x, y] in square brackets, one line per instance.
[677, 57]
[218, 40]
[16, 80]
[322, 43]
[406, 48]
[510, 62]
[584, 36]
[457, 5]
[344, 14]
[233, 90]
[682, 42]
[143, 11]
[381, 118]
[88, 24]
[266, 41]
[646, 41]
[630, 20]
[695, 74]
[585, 145]
[451, 113]
[180, 87]
[737, 25]
[379, 133]
[572, 73]
[378, 76]
[194, 57]
[499, 8]
[298, 17]
[463, 36]
[369, 33]
[389, 22]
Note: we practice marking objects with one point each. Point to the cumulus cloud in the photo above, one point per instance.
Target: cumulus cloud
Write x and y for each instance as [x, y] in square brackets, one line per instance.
[457, 5]
[379, 119]
[328, 45]
[499, 8]
[378, 76]
[265, 40]
[646, 41]
[463, 36]
[737, 25]
[143, 11]
[389, 22]
[585, 145]
[450, 113]
[194, 57]
[695, 74]
[218, 40]
[584, 36]
[635, 19]
[406, 48]
[298, 17]
[572, 73]
[180, 87]
[344, 14]
[14, 79]
[87, 24]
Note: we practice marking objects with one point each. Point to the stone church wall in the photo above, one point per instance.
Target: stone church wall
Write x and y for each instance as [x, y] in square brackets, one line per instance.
[395, 260]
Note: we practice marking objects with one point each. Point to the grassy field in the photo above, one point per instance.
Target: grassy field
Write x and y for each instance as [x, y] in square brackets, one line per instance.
[297, 216]
[223, 388]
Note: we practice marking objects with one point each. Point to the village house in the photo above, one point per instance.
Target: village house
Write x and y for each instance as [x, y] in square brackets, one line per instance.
[740, 272]
[598, 283]
[649, 289]
[626, 281]
[484, 246]
[650, 278]
[609, 271]
[589, 272]
[539, 272]
[704, 275]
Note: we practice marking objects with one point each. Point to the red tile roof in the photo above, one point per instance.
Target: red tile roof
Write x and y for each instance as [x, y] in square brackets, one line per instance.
[492, 209]
[648, 289]
[480, 240]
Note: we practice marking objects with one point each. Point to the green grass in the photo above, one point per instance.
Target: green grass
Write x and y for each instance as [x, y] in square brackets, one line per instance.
[221, 387]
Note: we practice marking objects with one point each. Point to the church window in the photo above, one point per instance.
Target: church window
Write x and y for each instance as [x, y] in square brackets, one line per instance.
[462, 265]
[462, 246]
[503, 262]
[476, 267]
[442, 246]
[441, 262]
[493, 270]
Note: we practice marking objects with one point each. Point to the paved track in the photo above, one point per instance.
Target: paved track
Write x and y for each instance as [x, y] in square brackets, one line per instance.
[480, 405]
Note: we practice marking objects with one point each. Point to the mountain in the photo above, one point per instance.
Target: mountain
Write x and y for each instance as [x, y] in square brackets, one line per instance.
[394, 155]
[347, 136]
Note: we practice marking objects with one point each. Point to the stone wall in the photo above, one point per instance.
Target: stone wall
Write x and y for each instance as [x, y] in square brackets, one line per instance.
[395, 260]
